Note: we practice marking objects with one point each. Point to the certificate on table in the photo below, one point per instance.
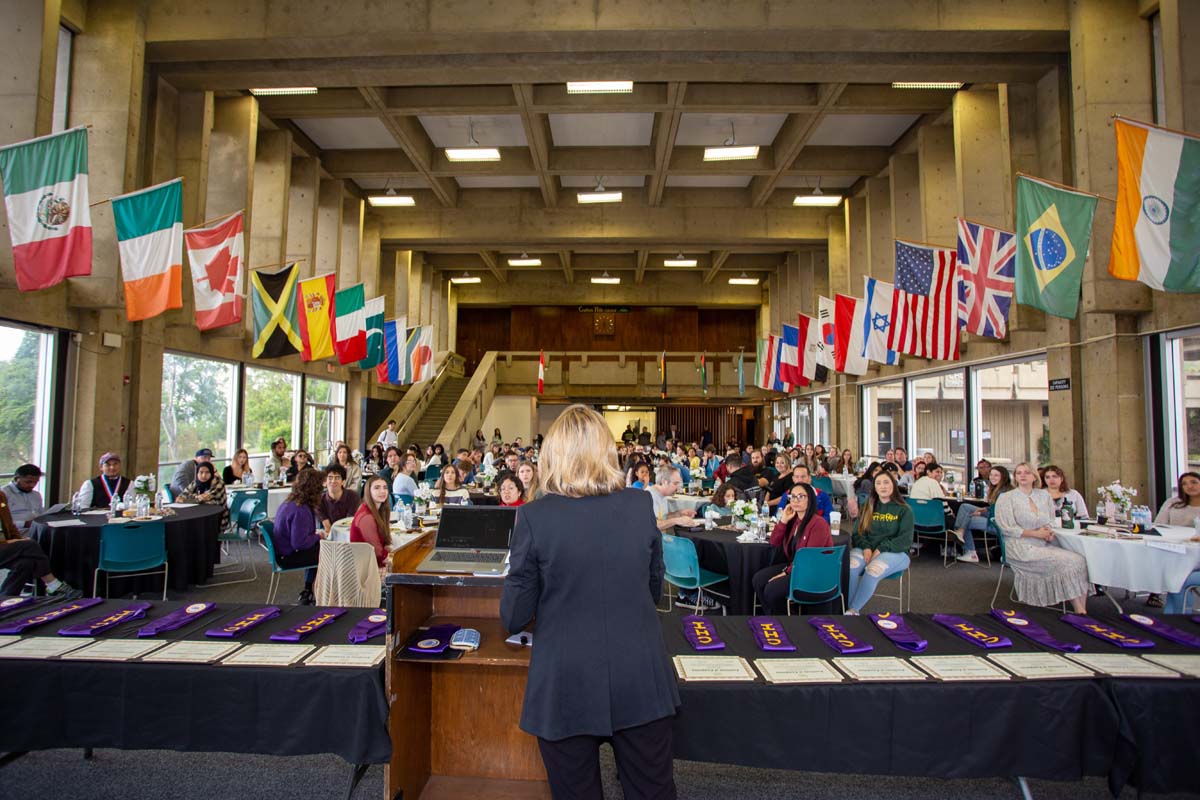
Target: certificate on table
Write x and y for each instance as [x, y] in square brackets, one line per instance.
[879, 668]
[1040, 666]
[192, 652]
[714, 668]
[1118, 665]
[66, 523]
[1187, 665]
[797, 670]
[115, 650]
[346, 655]
[7, 640]
[960, 668]
[42, 647]
[268, 655]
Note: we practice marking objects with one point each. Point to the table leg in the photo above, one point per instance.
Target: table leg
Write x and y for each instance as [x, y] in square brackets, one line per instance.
[356, 774]
[1023, 786]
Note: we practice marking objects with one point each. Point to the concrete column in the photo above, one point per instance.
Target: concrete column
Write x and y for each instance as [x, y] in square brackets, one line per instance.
[773, 291]
[1181, 63]
[272, 173]
[451, 317]
[905, 184]
[232, 150]
[938, 184]
[981, 158]
[194, 121]
[348, 273]
[1066, 436]
[1113, 404]
[856, 243]
[398, 298]
[303, 189]
[442, 292]
[838, 256]
[369, 257]
[820, 277]
[881, 247]
[30, 41]
[806, 288]
[329, 228]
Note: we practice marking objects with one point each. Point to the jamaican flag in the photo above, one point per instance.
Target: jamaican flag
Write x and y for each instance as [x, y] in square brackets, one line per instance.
[276, 326]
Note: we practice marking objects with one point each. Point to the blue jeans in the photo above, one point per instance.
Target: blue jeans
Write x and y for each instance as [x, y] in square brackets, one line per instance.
[967, 522]
[1174, 604]
[865, 577]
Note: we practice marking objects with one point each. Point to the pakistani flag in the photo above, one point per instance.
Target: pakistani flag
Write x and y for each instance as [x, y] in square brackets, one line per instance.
[373, 311]
[349, 325]
[1055, 228]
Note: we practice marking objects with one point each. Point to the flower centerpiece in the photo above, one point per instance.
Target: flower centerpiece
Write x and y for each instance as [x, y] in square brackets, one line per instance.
[424, 492]
[1117, 499]
[743, 512]
[144, 485]
[486, 475]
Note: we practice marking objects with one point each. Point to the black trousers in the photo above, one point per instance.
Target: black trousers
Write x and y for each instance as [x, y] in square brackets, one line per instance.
[772, 595]
[643, 757]
[25, 561]
[303, 558]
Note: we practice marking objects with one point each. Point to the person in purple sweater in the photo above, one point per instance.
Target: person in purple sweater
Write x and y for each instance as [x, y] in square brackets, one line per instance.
[298, 533]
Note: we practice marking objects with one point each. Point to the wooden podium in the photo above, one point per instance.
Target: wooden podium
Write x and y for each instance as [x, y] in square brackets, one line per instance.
[454, 723]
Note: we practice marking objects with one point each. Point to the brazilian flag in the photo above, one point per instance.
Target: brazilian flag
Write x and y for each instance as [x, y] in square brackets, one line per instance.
[1054, 226]
[276, 326]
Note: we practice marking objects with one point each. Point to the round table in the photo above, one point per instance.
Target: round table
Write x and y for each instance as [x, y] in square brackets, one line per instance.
[1147, 564]
[192, 549]
[687, 502]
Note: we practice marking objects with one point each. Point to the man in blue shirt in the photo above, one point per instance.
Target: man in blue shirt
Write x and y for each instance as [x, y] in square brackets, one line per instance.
[802, 474]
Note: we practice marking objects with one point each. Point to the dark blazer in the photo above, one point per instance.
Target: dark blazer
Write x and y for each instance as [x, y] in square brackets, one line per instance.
[590, 570]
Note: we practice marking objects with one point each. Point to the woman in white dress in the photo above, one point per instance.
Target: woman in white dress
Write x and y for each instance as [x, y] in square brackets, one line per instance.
[1044, 574]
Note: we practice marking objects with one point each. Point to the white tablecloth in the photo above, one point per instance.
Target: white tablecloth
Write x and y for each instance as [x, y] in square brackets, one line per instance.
[684, 502]
[843, 485]
[1138, 566]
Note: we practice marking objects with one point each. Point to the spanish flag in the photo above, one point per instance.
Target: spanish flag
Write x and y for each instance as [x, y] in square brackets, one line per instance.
[314, 298]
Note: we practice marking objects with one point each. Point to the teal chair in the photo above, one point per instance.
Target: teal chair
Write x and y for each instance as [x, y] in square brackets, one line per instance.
[816, 571]
[995, 531]
[708, 484]
[131, 549]
[243, 523]
[268, 529]
[402, 499]
[929, 522]
[684, 571]
[900, 597]
[166, 490]
[824, 483]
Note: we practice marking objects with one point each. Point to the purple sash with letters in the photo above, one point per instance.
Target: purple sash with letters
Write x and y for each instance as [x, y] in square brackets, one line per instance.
[1105, 632]
[769, 635]
[976, 636]
[834, 635]
[311, 625]
[13, 603]
[244, 623]
[58, 612]
[899, 632]
[98, 625]
[176, 619]
[1168, 632]
[374, 625]
[701, 634]
[1031, 630]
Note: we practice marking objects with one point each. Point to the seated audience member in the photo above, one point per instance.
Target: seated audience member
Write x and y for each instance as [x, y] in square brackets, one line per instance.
[185, 473]
[1062, 494]
[344, 458]
[722, 500]
[391, 465]
[206, 488]
[497, 438]
[337, 502]
[881, 540]
[756, 473]
[238, 470]
[929, 459]
[929, 485]
[450, 489]
[100, 490]
[512, 492]
[1043, 574]
[867, 481]
[818, 462]
[372, 518]
[972, 518]
[376, 459]
[693, 458]
[26, 561]
[901, 457]
[279, 462]
[405, 481]
[466, 470]
[512, 460]
[301, 461]
[777, 491]
[528, 475]
[24, 500]
[666, 484]
[298, 533]
[890, 456]
[1182, 509]
[642, 476]
[799, 526]
[728, 465]
[802, 474]
[981, 481]
[437, 456]
[907, 479]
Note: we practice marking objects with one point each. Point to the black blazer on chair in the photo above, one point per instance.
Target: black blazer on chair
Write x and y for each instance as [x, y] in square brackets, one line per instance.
[590, 570]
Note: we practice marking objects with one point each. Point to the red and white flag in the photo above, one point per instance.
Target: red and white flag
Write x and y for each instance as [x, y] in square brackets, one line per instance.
[848, 331]
[810, 347]
[925, 302]
[215, 253]
[542, 372]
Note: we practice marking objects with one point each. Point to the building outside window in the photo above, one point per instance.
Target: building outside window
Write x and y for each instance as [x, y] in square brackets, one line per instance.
[324, 417]
[199, 401]
[272, 408]
[1013, 409]
[939, 419]
[27, 386]
[1181, 398]
[883, 418]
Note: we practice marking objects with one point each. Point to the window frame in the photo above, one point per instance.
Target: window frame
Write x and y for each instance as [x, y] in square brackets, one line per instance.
[1166, 395]
[47, 415]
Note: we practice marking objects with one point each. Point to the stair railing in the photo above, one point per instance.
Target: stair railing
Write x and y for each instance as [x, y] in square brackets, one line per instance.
[472, 407]
[417, 399]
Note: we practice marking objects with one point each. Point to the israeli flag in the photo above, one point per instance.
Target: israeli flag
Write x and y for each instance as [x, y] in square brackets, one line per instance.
[877, 322]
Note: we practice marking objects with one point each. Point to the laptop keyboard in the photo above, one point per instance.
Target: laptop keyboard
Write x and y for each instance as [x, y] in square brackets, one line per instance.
[489, 558]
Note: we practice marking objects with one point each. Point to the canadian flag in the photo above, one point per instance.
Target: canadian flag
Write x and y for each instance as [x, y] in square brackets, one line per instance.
[215, 253]
[541, 372]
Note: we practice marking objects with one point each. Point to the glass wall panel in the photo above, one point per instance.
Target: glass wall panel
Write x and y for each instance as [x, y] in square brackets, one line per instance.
[1182, 375]
[199, 396]
[324, 417]
[1014, 413]
[883, 418]
[822, 432]
[940, 421]
[804, 420]
[271, 403]
[26, 399]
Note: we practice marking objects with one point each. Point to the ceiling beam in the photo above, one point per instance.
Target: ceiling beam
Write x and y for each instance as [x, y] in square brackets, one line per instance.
[790, 140]
[537, 134]
[850, 162]
[640, 272]
[718, 260]
[666, 128]
[564, 257]
[411, 137]
[491, 260]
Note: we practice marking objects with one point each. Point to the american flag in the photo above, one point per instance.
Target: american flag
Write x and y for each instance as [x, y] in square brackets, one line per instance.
[986, 263]
[925, 302]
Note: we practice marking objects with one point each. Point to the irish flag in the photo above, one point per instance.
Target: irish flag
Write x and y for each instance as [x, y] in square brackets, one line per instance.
[1156, 234]
[314, 301]
[349, 325]
[150, 240]
[46, 194]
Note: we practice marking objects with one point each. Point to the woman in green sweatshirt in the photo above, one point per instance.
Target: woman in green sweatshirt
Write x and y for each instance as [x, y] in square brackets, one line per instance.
[881, 540]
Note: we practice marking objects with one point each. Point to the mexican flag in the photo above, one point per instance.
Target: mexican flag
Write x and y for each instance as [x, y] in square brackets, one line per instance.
[373, 312]
[150, 239]
[46, 195]
[349, 325]
[1054, 229]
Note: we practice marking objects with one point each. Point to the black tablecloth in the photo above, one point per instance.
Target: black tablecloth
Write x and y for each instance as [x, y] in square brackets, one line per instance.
[205, 708]
[192, 550]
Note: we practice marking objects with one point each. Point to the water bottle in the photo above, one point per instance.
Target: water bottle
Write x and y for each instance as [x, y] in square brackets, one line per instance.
[1068, 515]
[143, 505]
[76, 505]
[114, 506]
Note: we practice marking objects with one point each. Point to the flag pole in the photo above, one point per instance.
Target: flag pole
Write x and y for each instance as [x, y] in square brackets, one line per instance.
[279, 264]
[1049, 182]
[211, 221]
[109, 199]
[1133, 121]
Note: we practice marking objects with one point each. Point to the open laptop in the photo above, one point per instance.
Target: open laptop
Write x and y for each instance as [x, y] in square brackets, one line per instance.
[471, 539]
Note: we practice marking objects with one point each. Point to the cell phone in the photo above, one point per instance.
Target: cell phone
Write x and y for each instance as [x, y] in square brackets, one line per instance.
[465, 639]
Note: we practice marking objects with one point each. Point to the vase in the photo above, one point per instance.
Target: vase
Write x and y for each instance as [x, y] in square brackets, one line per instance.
[1110, 510]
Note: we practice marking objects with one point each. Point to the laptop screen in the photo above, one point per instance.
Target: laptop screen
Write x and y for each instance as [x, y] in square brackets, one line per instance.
[475, 527]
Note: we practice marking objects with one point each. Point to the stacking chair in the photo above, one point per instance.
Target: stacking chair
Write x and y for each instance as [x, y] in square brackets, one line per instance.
[243, 523]
[684, 571]
[929, 522]
[995, 531]
[899, 576]
[166, 490]
[131, 549]
[268, 528]
[816, 571]
[824, 483]
[405, 499]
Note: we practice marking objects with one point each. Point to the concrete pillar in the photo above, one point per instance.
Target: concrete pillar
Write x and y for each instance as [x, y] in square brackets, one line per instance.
[29, 41]
[881, 247]
[838, 256]
[398, 298]
[369, 257]
[856, 243]
[981, 158]
[806, 282]
[938, 184]
[1181, 63]
[329, 228]
[348, 273]
[905, 184]
[773, 292]
[194, 121]
[1066, 435]
[303, 189]
[272, 173]
[821, 285]
[442, 292]
[451, 317]
[232, 150]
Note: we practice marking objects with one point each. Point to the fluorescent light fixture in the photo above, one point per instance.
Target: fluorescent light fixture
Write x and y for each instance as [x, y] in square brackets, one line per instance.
[390, 200]
[599, 87]
[465, 278]
[679, 261]
[599, 197]
[606, 278]
[524, 261]
[823, 200]
[927, 84]
[736, 152]
[283, 90]
[742, 280]
[472, 154]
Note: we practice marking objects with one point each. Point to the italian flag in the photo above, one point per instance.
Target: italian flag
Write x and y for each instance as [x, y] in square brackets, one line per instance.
[46, 195]
[350, 325]
[150, 240]
[1156, 234]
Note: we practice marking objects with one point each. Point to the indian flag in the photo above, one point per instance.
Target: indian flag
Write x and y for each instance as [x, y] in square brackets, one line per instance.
[46, 195]
[150, 240]
[1156, 235]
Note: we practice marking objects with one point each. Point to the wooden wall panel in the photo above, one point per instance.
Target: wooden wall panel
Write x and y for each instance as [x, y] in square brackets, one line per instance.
[725, 422]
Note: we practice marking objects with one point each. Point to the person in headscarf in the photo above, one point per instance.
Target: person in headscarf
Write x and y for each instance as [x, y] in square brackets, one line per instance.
[207, 488]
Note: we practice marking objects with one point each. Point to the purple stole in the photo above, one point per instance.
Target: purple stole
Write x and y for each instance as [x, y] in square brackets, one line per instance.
[965, 630]
[769, 635]
[176, 619]
[1031, 630]
[1105, 632]
[13, 603]
[834, 635]
[312, 624]
[98, 625]
[898, 631]
[434, 640]
[244, 623]
[701, 634]
[75, 606]
[1168, 632]
[374, 625]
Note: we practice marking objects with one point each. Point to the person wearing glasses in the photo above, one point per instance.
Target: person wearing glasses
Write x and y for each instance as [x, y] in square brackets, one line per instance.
[800, 525]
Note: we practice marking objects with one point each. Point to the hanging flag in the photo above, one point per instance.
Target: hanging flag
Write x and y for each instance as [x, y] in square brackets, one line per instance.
[542, 372]
[848, 331]
[420, 354]
[393, 335]
[314, 299]
[925, 302]
[1055, 229]
[877, 322]
[703, 375]
[350, 325]
[381, 369]
[216, 253]
[789, 354]
[149, 226]
[273, 300]
[810, 348]
[986, 263]
[766, 369]
[662, 371]
[373, 323]
[1156, 237]
[826, 314]
[46, 195]
[741, 370]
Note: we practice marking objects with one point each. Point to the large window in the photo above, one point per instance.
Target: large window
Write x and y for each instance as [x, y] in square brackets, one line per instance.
[812, 419]
[62, 79]
[324, 417]
[1013, 410]
[272, 409]
[27, 360]
[940, 418]
[199, 397]
[1181, 376]
[883, 418]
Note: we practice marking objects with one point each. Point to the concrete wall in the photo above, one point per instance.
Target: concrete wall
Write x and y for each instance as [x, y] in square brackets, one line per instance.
[513, 415]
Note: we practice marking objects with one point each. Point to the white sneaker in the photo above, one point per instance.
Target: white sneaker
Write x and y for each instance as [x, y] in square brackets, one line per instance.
[971, 558]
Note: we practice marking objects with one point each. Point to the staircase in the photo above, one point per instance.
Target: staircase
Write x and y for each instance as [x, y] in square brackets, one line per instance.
[429, 427]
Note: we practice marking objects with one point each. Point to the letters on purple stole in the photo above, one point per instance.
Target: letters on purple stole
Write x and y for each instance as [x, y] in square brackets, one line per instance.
[310, 625]
[834, 635]
[976, 636]
[98, 625]
[769, 635]
[701, 633]
[1031, 630]
[58, 612]
[1106, 633]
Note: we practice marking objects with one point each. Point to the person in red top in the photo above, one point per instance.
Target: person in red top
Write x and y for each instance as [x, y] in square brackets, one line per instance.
[512, 493]
[800, 525]
[370, 523]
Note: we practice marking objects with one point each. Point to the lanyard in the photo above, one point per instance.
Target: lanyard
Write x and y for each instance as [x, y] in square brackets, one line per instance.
[110, 489]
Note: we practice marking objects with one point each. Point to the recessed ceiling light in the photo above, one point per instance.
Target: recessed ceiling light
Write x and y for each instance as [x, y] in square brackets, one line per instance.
[524, 261]
[823, 200]
[283, 90]
[599, 87]
[605, 278]
[390, 200]
[679, 261]
[742, 280]
[472, 154]
[599, 194]
[465, 278]
[927, 85]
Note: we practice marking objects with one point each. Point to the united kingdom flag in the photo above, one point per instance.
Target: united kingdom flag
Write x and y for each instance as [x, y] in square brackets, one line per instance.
[986, 263]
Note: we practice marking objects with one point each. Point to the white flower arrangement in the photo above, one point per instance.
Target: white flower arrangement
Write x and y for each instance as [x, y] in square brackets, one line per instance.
[356, 456]
[145, 484]
[424, 492]
[744, 510]
[1118, 495]
[486, 475]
